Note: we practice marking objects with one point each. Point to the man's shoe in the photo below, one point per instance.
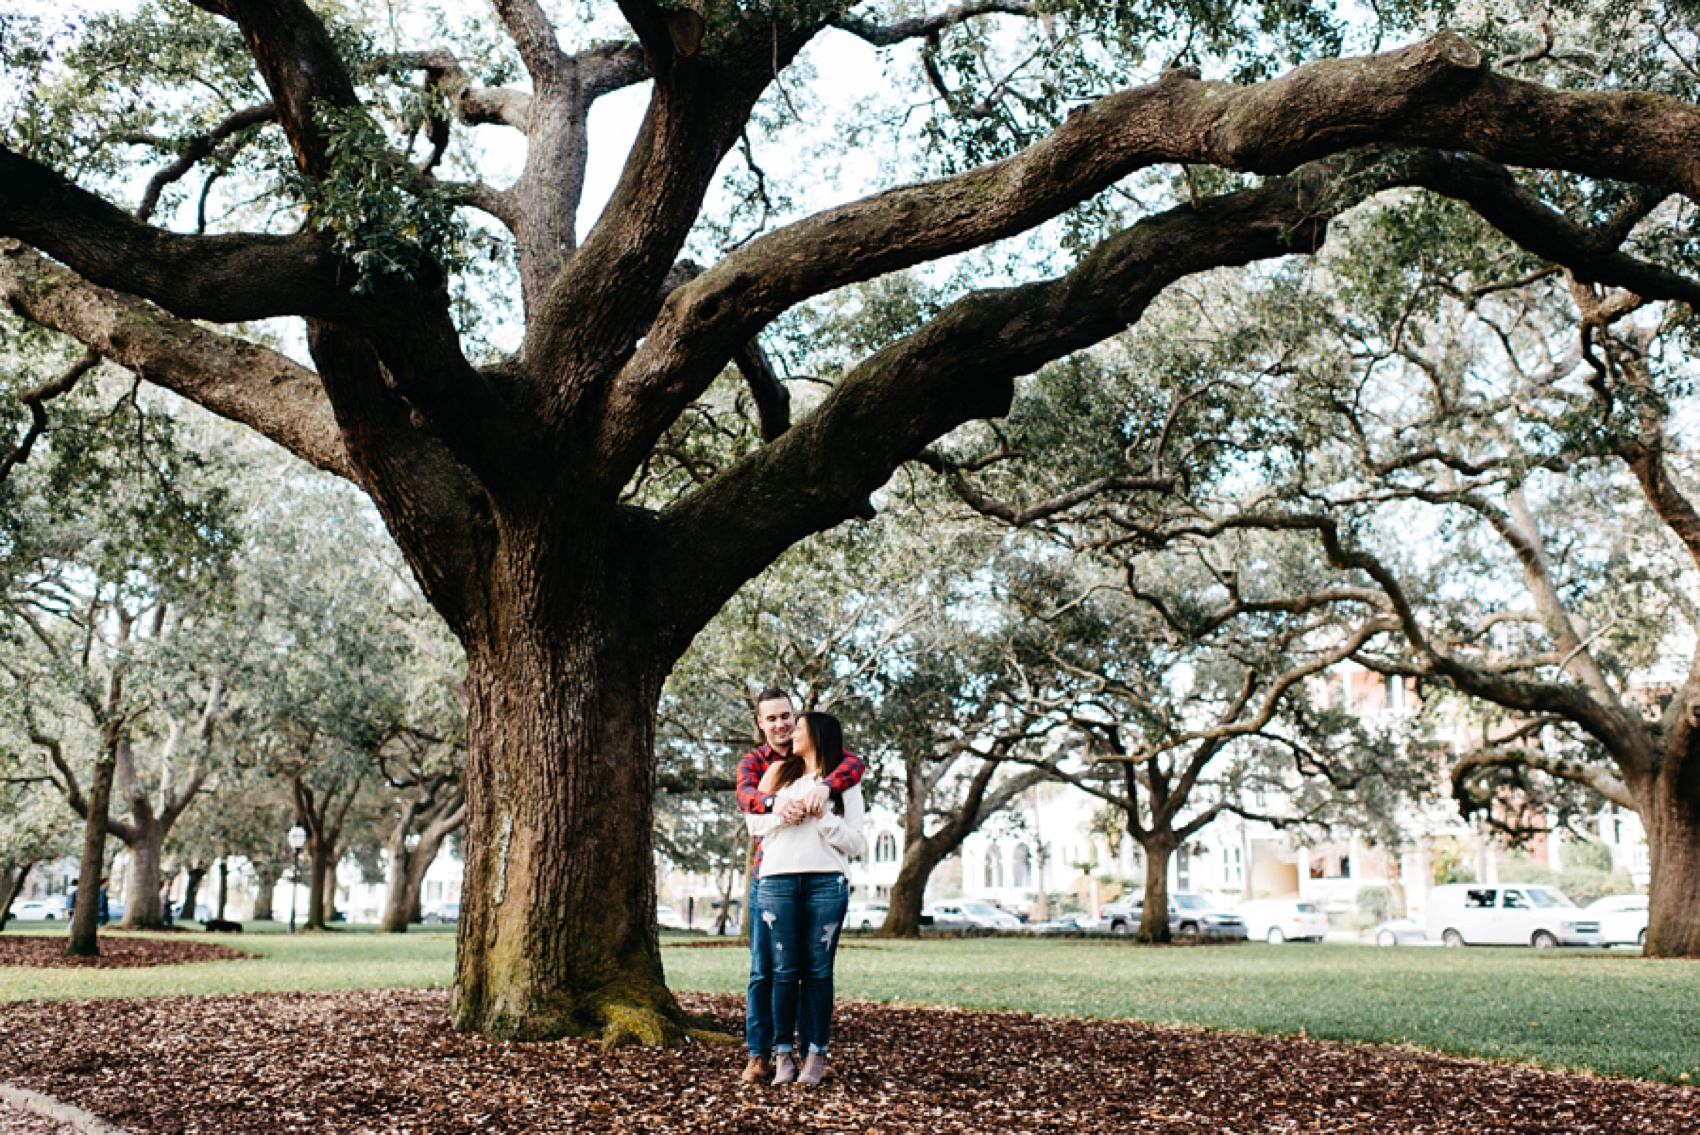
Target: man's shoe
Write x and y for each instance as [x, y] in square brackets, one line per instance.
[757, 1070]
[784, 1069]
[814, 1069]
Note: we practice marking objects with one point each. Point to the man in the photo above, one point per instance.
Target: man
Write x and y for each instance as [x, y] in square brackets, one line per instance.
[776, 717]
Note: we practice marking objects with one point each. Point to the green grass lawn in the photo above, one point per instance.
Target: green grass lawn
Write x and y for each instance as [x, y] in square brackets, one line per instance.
[352, 958]
[1612, 1013]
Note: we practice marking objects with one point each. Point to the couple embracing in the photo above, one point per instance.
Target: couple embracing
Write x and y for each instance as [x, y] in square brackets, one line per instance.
[802, 799]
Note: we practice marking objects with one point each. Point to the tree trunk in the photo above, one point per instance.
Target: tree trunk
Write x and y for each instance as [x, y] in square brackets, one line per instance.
[143, 883]
[265, 889]
[85, 917]
[321, 876]
[403, 900]
[557, 922]
[1154, 920]
[1672, 822]
[11, 886]
[397, 907]
[191, 892]
[908, 894]
[223, 887]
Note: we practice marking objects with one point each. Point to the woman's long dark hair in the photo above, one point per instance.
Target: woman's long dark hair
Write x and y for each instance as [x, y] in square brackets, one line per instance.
[828, 737]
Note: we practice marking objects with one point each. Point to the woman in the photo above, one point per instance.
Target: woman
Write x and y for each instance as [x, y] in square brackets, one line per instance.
[804, 891]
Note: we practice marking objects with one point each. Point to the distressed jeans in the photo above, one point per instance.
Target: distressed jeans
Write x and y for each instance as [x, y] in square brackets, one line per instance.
[802, 914]
[758, 1003]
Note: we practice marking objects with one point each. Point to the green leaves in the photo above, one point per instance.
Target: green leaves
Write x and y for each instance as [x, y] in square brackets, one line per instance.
[388, 218]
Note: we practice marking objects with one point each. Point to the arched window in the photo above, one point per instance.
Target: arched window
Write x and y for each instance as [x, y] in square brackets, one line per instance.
[994, 866]
[1020, 870]
[885, 848]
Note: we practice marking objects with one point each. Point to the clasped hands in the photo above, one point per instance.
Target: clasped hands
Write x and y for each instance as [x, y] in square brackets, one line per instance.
[794, 810]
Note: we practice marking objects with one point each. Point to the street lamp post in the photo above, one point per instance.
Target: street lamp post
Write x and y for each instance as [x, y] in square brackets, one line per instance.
[297, 840]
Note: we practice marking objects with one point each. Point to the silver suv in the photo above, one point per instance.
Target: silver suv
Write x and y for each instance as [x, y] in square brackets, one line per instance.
[1190, 916]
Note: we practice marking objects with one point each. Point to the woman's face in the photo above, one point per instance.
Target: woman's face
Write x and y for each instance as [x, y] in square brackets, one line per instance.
[802, 744]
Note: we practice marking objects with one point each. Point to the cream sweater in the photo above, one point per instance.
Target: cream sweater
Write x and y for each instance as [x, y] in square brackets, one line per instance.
[821, 843]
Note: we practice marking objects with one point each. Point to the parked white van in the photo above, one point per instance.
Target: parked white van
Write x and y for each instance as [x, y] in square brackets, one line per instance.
[1282, 920]
[1514, 914]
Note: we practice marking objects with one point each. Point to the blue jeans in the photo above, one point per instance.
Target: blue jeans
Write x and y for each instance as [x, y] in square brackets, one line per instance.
[803, 914]
[758, 1004]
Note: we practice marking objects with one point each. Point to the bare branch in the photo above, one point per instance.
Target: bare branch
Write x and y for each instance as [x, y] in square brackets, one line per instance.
[1532, 757]
[919, 27]
[1517, 212]
[37, 397]
[1021, 517]
[198, 149]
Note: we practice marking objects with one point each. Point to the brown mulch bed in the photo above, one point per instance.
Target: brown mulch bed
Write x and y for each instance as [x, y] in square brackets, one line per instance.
[115, 951]
[385, 1061]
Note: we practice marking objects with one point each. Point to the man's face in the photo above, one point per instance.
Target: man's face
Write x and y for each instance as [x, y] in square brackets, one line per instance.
[776, 719]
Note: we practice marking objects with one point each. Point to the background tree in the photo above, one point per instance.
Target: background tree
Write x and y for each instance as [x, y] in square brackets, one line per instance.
[118, 605]
[1525, 420]
[504, 478]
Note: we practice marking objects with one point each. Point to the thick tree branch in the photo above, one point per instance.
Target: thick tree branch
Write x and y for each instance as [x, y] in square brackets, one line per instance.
[224, 278]
[959, 367]
[301, 66]
[234, 379]
[534, 36]
[1437, 92]
[608, 67]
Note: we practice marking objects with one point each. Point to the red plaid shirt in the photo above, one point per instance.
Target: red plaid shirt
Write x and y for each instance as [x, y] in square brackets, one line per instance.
[754, 766]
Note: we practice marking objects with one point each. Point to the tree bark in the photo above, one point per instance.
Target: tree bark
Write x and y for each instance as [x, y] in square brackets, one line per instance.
[11, 886]
[144, 881]
[223, 887]
[908, 893]
[265, 890]
[321, 876]
[1154, 919]
[191, 892]
[1672, 823]
[557, 926]
[85, 917]
[403, 901]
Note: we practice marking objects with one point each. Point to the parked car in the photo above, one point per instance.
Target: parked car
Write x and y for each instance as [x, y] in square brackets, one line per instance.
[444, 912]
[1400, 932]
[1195, 916]
[668, 917]
[1283, 920]
[966, 914]
[1120, 917]
[1074, 923]
[1190, 916]
[35, 911]
[1516, 914]
[865, 916]
[1623, 919]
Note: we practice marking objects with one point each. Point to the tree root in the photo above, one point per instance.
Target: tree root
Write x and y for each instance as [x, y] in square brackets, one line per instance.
[625, 1023]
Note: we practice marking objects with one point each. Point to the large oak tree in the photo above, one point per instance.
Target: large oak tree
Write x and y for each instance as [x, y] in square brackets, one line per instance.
[505, 483]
